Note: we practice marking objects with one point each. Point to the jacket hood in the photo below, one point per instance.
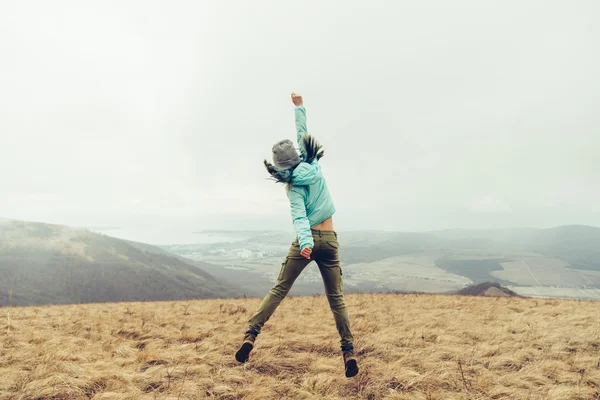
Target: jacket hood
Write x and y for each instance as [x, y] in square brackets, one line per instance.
[306, 174]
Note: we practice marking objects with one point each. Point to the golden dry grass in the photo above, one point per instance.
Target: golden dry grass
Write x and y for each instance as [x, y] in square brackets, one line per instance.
[409, 346]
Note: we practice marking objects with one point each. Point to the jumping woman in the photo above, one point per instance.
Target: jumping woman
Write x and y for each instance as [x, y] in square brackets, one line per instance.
[312, 210]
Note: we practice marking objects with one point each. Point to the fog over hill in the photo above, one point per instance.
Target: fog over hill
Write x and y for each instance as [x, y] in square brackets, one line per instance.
[42, 264]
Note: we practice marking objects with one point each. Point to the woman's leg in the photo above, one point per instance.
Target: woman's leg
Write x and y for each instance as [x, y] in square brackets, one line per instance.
[328, 260]
[291, 268]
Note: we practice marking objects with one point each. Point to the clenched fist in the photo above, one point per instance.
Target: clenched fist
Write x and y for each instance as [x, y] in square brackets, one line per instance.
[306, 252]
[297, 99]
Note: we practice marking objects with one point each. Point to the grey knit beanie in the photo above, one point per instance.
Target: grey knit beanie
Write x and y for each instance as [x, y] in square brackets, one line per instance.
[285, 155]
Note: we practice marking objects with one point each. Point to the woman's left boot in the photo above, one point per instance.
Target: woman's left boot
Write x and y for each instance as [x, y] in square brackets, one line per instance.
[243, 354]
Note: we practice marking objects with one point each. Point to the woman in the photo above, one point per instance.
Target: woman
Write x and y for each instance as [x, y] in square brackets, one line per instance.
[312, 210]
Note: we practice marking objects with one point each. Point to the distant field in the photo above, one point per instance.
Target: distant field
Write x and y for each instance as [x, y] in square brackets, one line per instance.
[477, 270]
[591, 277]
[427, 347]
[539, 271]
[416, 272]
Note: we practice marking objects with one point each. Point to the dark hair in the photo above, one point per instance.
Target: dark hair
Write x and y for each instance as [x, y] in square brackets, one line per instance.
[310, 149]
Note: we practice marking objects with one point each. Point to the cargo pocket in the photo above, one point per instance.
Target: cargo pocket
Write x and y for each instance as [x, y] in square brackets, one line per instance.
[333, 244]
[283, 264]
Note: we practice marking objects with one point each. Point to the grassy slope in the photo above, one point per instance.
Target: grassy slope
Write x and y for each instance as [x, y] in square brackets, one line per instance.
[409, 346]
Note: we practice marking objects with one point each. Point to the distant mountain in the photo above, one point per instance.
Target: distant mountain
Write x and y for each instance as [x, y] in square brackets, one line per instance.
[578, 245]
[54, 264]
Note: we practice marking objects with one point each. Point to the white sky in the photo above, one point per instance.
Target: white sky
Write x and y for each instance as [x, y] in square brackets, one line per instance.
[434, 114]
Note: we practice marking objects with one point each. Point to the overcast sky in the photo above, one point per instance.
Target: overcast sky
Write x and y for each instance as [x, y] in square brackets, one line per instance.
[434, 114]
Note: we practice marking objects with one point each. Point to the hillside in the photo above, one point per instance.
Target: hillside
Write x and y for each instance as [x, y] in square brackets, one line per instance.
[409, 347]
[53, 264]
[243, 283]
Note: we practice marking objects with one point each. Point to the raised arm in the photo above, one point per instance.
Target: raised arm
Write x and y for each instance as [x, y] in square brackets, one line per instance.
[300, 114]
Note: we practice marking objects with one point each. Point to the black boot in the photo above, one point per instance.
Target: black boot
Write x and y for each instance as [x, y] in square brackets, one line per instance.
[350, 363]
[243, 354]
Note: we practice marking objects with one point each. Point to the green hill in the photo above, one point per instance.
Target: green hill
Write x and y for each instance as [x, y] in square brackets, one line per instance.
[54, 264]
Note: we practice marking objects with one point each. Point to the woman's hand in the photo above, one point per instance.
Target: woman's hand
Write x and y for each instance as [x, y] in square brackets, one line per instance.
[306, 252]
[297, 100]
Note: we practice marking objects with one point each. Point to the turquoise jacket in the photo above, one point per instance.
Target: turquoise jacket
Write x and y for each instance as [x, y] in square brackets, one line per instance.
[309, 197]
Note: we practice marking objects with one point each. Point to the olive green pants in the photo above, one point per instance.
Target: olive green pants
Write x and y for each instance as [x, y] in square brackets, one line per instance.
[325, 253]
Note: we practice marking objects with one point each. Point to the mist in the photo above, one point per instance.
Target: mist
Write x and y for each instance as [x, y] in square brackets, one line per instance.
[155, 117]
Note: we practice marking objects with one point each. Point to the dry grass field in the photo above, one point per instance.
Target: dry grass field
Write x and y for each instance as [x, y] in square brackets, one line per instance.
[409, 347]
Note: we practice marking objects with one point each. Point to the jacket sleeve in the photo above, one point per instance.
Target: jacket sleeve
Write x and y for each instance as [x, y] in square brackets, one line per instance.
[300, 115]
[301, 223]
